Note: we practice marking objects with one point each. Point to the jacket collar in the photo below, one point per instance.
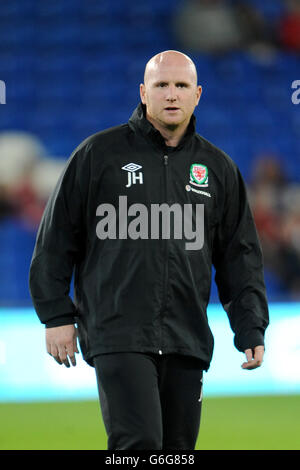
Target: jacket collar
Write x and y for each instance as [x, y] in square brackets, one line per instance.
[138, 121]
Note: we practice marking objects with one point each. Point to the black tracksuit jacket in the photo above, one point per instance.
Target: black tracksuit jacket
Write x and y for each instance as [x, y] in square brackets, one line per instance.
[147, 293]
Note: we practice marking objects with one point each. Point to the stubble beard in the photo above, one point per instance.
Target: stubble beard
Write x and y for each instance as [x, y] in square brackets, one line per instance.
[171, 127]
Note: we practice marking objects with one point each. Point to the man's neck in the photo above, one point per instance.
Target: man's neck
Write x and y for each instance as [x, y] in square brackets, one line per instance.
[171, 136]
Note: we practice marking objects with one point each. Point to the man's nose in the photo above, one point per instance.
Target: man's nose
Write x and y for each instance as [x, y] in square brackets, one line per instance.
[171, 95]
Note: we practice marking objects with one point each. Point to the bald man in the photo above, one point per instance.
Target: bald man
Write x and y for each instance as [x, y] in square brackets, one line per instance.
[170, 93]
[141, 213]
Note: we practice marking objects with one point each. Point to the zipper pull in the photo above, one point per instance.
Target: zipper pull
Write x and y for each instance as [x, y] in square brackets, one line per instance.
[166, 159]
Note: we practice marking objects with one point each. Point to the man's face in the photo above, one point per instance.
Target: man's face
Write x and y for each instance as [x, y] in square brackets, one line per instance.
[170, 92]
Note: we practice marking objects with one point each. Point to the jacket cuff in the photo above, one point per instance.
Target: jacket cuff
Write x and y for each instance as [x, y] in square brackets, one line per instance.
[60, 321]
[249, 339]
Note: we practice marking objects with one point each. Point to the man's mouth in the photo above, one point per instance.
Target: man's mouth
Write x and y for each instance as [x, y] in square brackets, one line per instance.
[171, 108]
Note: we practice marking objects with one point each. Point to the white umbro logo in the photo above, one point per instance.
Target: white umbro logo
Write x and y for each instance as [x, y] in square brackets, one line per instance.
[131, 168]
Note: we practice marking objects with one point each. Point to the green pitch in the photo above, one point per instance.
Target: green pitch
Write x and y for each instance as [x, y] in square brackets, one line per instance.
[268, 422]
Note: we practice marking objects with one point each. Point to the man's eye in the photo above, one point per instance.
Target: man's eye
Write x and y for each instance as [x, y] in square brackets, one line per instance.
[162, 85]
[181, 85]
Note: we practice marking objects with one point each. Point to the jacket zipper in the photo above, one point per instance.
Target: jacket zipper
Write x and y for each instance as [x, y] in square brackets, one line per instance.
[166, 249]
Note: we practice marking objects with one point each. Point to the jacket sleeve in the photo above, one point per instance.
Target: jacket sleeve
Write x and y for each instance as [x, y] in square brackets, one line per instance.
[58, 246]
[238, 262]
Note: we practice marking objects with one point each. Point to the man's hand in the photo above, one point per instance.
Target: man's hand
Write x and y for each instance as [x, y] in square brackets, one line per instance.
[254, 358]
[61, 343]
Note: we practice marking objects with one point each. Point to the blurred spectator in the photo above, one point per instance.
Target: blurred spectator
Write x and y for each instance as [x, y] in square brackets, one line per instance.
[44, 177]
[289, 26]
[217, 26]
[276, 209]
[19, 152]
[6, 206]
[289, 250]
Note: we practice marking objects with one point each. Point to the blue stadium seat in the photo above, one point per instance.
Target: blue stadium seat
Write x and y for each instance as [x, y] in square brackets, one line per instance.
[55, 35]
[17, 35]
[57, 10]
[16, 9]
[275, 288]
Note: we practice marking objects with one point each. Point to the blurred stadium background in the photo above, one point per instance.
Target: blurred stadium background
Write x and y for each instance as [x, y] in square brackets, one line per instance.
[72, 68]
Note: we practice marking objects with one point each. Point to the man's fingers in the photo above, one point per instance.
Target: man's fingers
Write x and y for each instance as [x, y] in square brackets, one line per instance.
[70, 350]
[75, 347]
[61, 344]
[259, 354]
[249, 355]
[248, 364]
[254, 358]
[57, 360]
[67, 352]
[53, 351]
[62, 354]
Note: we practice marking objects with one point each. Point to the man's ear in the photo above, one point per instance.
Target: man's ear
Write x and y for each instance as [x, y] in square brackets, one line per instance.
[199, 93]
[143, 93]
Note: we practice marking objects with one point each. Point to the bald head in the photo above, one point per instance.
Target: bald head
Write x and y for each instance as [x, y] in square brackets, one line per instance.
[170, 60]
[170, 92]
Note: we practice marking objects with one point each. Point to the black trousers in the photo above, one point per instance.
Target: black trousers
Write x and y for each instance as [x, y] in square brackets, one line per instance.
[150, 401]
